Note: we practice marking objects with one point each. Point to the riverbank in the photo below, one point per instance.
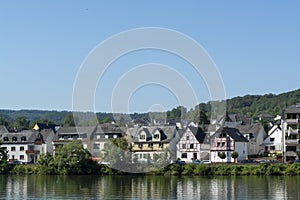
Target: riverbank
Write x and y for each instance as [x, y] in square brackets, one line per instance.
[188, 169]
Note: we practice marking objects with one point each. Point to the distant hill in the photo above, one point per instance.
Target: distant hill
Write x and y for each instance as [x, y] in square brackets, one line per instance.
[252, 105]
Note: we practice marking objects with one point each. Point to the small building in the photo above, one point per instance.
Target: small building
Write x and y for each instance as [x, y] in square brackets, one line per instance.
[193, 144]
[228, 140]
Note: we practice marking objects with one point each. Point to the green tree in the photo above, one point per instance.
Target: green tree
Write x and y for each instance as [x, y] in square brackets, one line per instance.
[46, 164]
[3, 122]
[70, 120]
[235, 155]
[72, 158]
[222, 155]
[3, 159]
[116, 151]
[21, 123]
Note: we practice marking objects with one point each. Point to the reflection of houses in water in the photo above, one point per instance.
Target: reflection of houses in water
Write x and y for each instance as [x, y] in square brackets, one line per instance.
[16, 187]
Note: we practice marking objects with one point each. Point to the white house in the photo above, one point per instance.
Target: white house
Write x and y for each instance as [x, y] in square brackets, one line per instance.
[193, 144]
[228, 140]
[25, 146]
[273, 143]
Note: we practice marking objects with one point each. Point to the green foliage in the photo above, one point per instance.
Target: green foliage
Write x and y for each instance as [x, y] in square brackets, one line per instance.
[222, 155]
[234, 155]
[3, 160]
[203, 170]
[69, 120]
[21, 123]
[116, 151]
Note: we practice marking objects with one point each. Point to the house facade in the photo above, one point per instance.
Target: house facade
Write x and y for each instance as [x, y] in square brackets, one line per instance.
[193, 144]
[273, 143]
[101, 135]
[68, 134]
[291, 132]
[148, 143]
[228, 140]
[255, 134]
[25, 146]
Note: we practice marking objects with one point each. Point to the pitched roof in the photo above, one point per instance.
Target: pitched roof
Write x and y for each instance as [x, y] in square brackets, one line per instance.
[254, 128]
[293, 109]
[30, 136]
[231, 132]
[199, 134]
[167, 132]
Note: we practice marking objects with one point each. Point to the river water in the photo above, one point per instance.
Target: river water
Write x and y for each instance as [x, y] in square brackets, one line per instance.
[148, 187]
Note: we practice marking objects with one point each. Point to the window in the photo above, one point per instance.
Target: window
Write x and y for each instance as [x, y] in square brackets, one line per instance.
[96, 146]
[13, 149]
[23, 138]
[21, 148]
[5, 139]
[140, 145]
[21, 157]
[150, 145]
[141, 156]
[272, 139]
[156, 136]
[184, 146]
[187, 137]
[191, 146]
[142, 137]
[218, 144]
[223, 144]
[14, 139]
[272, 147]
[184, 155]
[161, 145]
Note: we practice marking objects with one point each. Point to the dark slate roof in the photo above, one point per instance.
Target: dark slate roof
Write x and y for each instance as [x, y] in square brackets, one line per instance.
[254, 128]
[167, 132]
[3, 129]
[30, 135]
[84, 130]
[43, 126]
[265, 115]
[293, 109]
[231, 132]
[199, 134]
[244, 119]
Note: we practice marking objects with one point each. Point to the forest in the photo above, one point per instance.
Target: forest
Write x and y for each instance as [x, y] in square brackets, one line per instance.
[250, 105]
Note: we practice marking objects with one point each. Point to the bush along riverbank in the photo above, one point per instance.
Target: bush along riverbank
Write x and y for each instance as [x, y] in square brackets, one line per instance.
[178, 170]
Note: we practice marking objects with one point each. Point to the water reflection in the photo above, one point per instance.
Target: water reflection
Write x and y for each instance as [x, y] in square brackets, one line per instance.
[148, 187]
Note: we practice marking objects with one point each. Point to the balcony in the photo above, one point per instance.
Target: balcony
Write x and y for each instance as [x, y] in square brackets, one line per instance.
[292, 142]
[293, 121]
[222, 148]
[35, 152]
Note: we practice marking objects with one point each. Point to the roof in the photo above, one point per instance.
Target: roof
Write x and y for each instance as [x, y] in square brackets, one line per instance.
[293, 109]
[199, 134]
[167, 132]
[254, 128]
[265, 115]
[43, 126]
[30, 136]
[87, 130]
[231, 132]
[3, 129]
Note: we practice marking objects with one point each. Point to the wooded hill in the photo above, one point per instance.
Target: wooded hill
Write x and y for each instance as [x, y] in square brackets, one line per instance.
[251, 105]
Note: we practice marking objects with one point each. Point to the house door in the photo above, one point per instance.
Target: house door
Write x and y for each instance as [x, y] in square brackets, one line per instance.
[195, 156]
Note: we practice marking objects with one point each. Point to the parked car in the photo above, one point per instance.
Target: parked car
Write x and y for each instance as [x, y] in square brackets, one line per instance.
[196, 162]
[274, 161]
[16, 162]
[179, 162]
[205, 162]
[248, 161]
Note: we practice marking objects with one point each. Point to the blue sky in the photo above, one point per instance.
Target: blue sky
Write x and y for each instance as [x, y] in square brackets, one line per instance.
[255, 45]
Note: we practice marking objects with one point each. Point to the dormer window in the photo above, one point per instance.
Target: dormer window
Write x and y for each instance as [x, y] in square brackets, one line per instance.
[142, 137]
[5, 139]
[156, 136]
[23, 138]
[14, 139]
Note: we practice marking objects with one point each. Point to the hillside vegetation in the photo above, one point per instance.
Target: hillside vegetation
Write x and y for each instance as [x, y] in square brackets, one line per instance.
[251, 105]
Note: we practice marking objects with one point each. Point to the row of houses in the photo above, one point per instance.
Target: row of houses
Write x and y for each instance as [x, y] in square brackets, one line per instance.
[187, 143]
